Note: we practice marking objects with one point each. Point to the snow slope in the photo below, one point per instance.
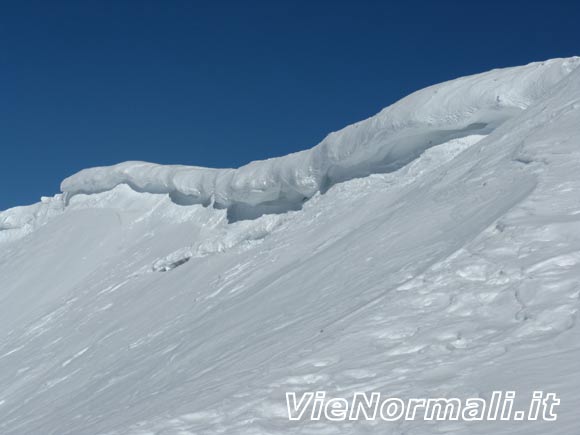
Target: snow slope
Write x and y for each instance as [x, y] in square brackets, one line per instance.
[383, 143]
[431, 250]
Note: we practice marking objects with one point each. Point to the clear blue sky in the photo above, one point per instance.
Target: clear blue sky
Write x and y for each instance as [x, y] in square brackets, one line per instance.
[220, 83]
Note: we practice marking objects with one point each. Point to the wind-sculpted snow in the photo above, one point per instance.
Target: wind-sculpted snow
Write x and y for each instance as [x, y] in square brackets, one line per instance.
[472, 105]
[127, 312]
[19, 221]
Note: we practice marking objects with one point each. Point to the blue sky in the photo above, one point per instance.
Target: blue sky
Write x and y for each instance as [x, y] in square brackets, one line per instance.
[221, 83]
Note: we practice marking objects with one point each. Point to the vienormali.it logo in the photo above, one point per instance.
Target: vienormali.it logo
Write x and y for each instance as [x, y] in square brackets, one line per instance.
[372, 406]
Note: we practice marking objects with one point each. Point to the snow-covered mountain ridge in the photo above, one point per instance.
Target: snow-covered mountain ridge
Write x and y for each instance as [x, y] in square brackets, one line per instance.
[431, 250]
[385, 142]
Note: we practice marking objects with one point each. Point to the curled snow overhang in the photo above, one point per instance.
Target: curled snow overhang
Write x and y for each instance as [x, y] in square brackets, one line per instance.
[470, 105]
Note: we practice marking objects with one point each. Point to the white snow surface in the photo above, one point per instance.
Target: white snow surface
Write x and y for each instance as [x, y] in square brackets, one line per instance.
[431, 250]
[382, 143]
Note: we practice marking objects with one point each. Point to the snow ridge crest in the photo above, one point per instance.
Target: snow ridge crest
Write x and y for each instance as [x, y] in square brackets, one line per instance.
[383, 143]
